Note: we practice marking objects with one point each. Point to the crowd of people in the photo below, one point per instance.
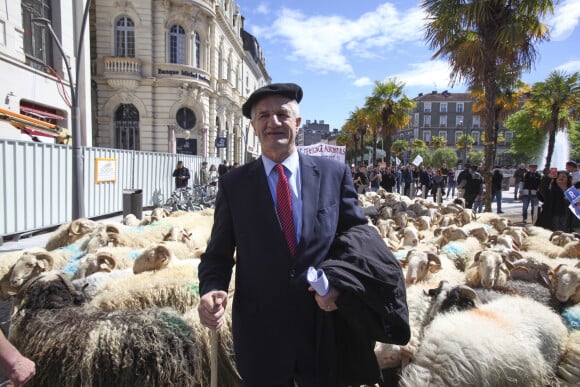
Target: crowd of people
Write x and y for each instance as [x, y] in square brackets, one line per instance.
[543, 200]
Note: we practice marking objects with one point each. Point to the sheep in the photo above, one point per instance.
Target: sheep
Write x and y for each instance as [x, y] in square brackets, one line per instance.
[73, 346]
[460, 252]
[189, 246]
[30, 266]
[7, 261]
[104, 259]
[92, 284]
[95, 263]
[488, 269]
[68, 233]
[419, 264]
[159, 256]
[566, 283]
[569, 367]
[409, 236]
[560, 238]
[463, 347]
[571, 250]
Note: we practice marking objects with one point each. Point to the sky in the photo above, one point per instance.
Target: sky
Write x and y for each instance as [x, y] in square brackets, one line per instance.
[336, 50]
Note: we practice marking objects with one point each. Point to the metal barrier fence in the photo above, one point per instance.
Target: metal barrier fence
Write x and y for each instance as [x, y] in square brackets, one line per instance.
[36, 184]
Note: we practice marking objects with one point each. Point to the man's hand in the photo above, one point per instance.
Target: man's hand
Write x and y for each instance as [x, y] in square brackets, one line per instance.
[328, 302]
[211, 309]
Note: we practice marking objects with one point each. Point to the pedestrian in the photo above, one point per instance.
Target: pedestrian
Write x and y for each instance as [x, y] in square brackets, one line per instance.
[462, 179]
[223, 168]
[361, 179]
[518, 178]
[572, 168]
[438, 185]
[399, 178]
[445, 173]
[555, 214]
[473, 186]
[451, 183]
[181, 175]
[407, 178]
[285, 334]
[425, 180]
[17, 368]
[213, 175]
[389, 180]
[529, 192]
[375, 178]
[203, 174]
[496, 187]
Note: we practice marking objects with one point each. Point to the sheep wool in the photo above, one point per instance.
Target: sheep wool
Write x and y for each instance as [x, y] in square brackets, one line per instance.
[74, 346]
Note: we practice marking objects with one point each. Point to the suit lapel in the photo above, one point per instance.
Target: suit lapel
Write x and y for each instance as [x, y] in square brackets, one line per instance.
[310, 194]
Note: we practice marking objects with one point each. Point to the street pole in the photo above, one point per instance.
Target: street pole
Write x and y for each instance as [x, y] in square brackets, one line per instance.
[78, 189]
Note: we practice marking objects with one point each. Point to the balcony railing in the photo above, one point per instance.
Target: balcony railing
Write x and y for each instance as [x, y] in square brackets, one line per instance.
[122, 65]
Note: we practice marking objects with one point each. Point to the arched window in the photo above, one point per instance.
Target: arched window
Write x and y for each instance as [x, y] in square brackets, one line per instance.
[177, 45]
[127, 127]
[197, 43]
[125, 37]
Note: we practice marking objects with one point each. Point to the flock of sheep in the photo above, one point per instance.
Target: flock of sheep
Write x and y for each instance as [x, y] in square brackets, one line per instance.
[490, 304]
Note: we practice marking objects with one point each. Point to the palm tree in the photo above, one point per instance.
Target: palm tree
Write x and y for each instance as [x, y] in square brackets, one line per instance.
[464, 143]
[388, 109]
[399, 147]
[488, 43]
[558, 96]
[438, 142]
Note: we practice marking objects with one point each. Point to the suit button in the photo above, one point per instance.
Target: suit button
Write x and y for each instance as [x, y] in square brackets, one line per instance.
[292, 273]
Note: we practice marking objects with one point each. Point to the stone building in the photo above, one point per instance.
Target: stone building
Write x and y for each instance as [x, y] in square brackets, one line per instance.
[448, 115]
[172, 75]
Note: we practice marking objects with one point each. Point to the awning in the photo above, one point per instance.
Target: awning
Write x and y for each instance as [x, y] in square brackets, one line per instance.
[29, 124]
[40, 113]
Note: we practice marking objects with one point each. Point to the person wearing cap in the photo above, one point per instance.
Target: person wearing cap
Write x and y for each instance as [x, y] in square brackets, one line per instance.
[529, 191]
[496, 187]
[181, 175]
[284, 333]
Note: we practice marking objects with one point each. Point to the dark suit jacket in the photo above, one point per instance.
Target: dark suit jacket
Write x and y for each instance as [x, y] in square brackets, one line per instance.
[274, 314]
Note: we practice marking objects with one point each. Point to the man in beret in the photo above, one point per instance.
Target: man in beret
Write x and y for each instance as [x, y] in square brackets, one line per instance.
[281, 327]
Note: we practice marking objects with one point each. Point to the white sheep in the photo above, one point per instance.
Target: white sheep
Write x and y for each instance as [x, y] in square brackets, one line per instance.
[569, 367]
[68, 233]
[160, 256]
[462, 251]
[566, 283]
[467, 348]
[489, 269]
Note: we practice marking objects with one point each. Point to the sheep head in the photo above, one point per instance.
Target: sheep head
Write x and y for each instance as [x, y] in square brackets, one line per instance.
[493, 268]
[80, 227]
[419, 264]
[566, 283]
[446, 298]
[29, 266]
[177, 233]
[154, 258]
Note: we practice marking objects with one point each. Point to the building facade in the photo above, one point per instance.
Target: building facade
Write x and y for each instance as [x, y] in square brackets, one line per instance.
[172, 75]
[37, 67]
[449, 115]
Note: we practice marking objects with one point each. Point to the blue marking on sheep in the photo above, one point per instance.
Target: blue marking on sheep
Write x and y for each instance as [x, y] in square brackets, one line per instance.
[571, 319]
[74, 250]
[134, 255]
[400, 254]
[452, 248]
[71, 268]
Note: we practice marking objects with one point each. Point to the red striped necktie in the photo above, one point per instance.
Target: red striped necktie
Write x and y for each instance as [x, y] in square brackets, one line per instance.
[285, 208]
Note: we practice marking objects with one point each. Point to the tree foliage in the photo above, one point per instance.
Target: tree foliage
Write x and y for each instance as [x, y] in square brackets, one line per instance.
[425, 154]
[528, 141]
[444, 155]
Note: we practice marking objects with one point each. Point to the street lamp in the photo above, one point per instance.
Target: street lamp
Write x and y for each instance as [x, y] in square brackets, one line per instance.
[78, 189]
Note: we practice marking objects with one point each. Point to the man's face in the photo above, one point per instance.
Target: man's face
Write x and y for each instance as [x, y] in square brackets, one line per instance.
[275, 124]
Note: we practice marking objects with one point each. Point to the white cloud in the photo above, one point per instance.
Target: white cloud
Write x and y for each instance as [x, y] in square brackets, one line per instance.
[263, 9]
[331, 43]
[564, 20]
[363, 81]
[570, 67]
[429, 74]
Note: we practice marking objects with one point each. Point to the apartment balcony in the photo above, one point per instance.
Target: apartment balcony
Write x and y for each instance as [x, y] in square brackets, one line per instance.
[121, 72]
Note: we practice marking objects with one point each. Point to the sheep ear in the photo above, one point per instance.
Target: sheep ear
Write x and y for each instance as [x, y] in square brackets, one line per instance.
[403, 262]
[163, 254]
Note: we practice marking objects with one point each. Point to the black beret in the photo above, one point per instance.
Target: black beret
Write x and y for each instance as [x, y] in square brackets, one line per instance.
[289, 90]
[533, 165]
